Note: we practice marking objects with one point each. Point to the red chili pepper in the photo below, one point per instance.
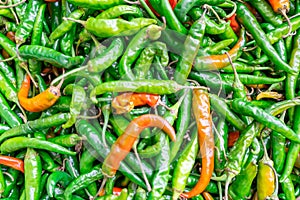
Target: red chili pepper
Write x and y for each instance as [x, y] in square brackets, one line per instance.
[117, 191]
[172, 3]
[233, 137]
[124, 143]
[41, 101]
[234, 24]
[127, 101]
[12, 162]
[201, 110]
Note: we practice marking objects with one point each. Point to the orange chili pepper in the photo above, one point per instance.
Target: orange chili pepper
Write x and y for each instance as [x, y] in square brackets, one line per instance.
[234, 24]
[201, 110]
[280, 5]
[127, 101]
[124, 143]
[41, 101]
[207, 196]
[12, 162]
[213, 62]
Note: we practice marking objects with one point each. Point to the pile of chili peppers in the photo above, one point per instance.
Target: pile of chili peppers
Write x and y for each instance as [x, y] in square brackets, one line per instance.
[90, 88]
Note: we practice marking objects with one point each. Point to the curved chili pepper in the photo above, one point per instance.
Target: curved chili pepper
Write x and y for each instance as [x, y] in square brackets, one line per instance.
[41, 101]
[219, 61]
[201, 109]
[125, 142]
[12, 162]
[127, 101]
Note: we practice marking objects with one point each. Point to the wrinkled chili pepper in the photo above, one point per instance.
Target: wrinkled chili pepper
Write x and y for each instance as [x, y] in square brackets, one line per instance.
[201, 110]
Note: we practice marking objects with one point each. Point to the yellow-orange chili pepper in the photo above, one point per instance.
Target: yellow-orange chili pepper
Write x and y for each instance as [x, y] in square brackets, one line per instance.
[41, 101]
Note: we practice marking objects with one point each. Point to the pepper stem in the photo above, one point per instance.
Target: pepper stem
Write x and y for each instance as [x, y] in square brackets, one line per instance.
[57, 79]
[140, 163]
[8, 59]
[83, 23]
[101, 187]
[233, 11]
[228, 181]
[206, 6]
[283, 12]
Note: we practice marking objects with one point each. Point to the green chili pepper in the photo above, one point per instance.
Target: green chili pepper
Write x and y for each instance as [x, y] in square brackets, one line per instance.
[265, 118]
[78, 98]
[278, 149]
[25, 28]
[20, 9]
[293, 149]
[291, 80]
[8, 72]
[107, 57]
[66, 25]
[6, 13]
[220, 106]
[60, 177]
[36, 125]
[86, 165]
[119, 10]
[16, 143]
[240, 188]
[288, 188]
[48, 163]
[221, 146]
[211, 80]
[98, 5]
[281, 30]
[66, 42]
[211, 26]
[143, 64]
[33, 173]
[146, 86]
[266, 12]
[247, 79]
[164, 8]
[140, 194]
[10, 117]
[69, 140]
[182, 123]
[243, 68]
[115, 27]
[49, 55]
[83, 181]
[191, 46]
[135, 47]
[38, 26]
[185, 165]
